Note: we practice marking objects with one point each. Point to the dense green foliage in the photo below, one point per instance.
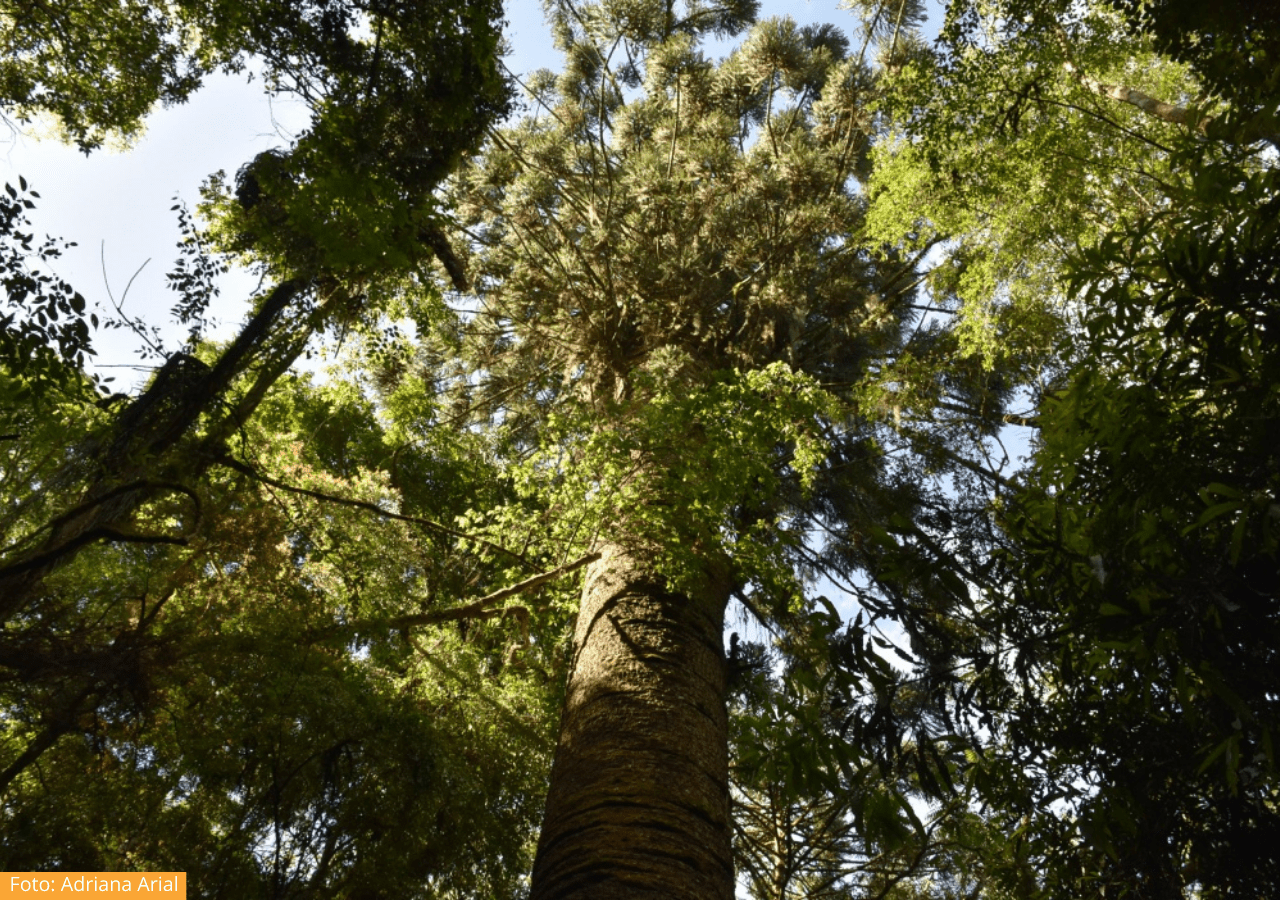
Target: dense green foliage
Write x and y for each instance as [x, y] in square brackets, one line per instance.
[213, 654]
[1117, 666]
[767, 314]
[44, 332]
[212, 687]
[96, 70]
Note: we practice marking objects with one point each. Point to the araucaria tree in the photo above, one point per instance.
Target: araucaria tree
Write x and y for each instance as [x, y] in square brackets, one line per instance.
[671, 309]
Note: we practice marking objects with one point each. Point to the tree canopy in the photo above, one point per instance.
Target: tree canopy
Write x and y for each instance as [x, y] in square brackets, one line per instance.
[685, 347]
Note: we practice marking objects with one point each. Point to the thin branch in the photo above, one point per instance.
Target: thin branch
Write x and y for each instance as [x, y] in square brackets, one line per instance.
[1108, 120]
[1023, 421]
[482, 608]
[675, 132]
[750, 606]
[504, 712]
[1007, 418]
[245, 469]
[897, 26]
[135, 325]
[979, 470]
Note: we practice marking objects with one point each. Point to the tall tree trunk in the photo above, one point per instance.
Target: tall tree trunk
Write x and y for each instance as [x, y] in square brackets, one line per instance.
[639, 798]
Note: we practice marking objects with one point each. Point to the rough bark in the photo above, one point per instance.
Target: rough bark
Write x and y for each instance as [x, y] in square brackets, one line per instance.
[639, 799]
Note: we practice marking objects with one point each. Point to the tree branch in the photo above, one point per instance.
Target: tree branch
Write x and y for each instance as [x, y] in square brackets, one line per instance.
[482, 608]
[1006, 418]
[88, 505]
[245, 469]
[1166, 112]
[479, 609]
[87, 537]
[978, 470]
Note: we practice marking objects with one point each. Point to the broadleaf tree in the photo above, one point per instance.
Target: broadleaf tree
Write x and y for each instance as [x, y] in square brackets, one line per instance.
[268, 709]
[1113, 665]
[119, 512]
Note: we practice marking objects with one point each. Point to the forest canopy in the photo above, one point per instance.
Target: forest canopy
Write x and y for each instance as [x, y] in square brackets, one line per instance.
[661, 527]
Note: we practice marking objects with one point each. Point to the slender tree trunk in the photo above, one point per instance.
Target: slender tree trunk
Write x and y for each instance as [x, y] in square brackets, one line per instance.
[1169, 112]
[639, 798]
